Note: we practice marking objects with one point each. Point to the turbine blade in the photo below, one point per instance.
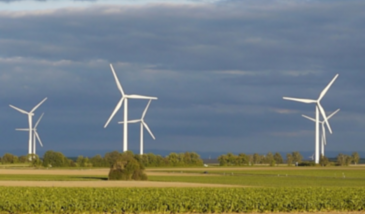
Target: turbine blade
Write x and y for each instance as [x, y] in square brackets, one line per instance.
[333, 113]
[117, 80]
[148, 129]
[114, 112]
[300, 100]
[309, 118]
[130, 121]
[136, 96]
[22, 129]
[325, 120]
[145, 110]
[39, 139]
[134, 121]
[38, 105]
[18, 109]
[327, 87]
[40, 118]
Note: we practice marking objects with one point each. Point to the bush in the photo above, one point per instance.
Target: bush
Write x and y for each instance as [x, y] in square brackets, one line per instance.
[127, 167]
[307, 164]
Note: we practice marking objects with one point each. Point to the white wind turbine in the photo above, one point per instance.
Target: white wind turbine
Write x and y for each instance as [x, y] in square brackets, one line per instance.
[124, 99]
[323, 137]
[319, 108]
[143, 124]
[30, 115]
[35, 135]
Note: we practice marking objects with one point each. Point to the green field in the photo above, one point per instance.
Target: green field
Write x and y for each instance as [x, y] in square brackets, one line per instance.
[52, 178]
[264, 189]
[291, 177]
[179, 200]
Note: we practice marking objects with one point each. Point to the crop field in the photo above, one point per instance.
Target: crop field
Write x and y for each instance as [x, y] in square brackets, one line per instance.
[185, 190]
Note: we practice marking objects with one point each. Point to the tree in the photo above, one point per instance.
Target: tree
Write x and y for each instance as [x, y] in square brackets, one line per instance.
[270, 159]
[323, 161]
[222, 160]
[231, 159]
[111, 157]
[23, 159]
[83, 161]
[348, 160]
[242, 159]
[355, 157]
[173, 159]
[256, 158]
[341, 159]
[127, 167]
[9, 158]
[278, 158]
[55, 159]
[297, 157]
[36, 162]
[289, 159]
[98, 161]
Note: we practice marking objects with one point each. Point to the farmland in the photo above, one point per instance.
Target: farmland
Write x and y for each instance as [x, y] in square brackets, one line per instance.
[185, 190]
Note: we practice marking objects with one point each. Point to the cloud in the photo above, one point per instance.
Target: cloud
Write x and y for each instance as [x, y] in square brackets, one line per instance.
[220, 71]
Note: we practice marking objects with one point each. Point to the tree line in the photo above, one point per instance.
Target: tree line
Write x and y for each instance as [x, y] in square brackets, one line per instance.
[57, 159]
[242, 159]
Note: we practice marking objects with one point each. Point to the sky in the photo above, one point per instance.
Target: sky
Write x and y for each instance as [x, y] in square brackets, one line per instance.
[219, 68]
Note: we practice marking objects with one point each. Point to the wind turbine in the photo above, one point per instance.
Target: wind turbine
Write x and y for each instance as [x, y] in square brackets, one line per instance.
[35, 135]
[30, 115]
[319, 108]
[143, 124]
[124, 99]
[324, 141]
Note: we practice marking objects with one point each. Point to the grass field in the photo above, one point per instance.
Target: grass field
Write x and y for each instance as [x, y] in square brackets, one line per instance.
[254, 177]
[247, 189]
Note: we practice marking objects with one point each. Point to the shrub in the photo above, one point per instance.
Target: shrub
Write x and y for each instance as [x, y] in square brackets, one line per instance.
[127, 167]
[307, 164]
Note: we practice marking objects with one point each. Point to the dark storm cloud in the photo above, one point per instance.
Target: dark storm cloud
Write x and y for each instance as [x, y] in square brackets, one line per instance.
[219, 70]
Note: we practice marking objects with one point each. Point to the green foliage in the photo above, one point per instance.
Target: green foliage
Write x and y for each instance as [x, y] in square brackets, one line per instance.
[306, 163]
[55, 159]
[278, 158]
[343, 160]
[173, 159]
[23, 159]
[355, 157]
[98, 161]
[35, 161]
[297, 157]
[179, 200]
[289, 159]
[127, 167]
[323, 161]
[83, 162]
[9, 158]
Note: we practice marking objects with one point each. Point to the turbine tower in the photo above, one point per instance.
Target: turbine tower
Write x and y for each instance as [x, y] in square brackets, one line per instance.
[143, 124]
[30, 115]
[124, 99]
[323, 137]
[35, 135]
[319, 108]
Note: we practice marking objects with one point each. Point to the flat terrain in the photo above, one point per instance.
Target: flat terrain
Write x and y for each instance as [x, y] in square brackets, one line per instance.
[107, 184]
[89, 178]
[193, 177]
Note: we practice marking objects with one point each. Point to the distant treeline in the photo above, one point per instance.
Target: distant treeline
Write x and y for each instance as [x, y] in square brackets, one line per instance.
[57, 159]
[242, 159]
